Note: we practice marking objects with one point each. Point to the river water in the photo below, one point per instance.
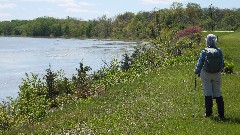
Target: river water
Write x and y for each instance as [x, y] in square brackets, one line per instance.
[20, 55]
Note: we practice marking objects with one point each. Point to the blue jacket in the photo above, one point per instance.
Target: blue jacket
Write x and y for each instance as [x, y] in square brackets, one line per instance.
[201, 61]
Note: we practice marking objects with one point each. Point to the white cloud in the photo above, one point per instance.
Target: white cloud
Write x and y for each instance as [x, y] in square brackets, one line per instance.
[68, 5]
[7, 5]
[74, 6]
[160, 1]
[85, 4]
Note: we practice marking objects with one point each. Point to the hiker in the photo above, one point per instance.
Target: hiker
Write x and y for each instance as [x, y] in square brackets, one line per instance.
[209, 67]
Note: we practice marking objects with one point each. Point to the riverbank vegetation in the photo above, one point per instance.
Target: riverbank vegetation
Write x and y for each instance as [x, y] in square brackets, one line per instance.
[134, 101]
[150, 91]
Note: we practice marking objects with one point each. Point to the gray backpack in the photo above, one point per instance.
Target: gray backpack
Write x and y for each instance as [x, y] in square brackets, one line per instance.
[213, 60]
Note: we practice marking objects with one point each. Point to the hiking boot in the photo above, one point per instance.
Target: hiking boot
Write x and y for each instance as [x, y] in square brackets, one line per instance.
[220, 107]
[208, 106]
[207, 115]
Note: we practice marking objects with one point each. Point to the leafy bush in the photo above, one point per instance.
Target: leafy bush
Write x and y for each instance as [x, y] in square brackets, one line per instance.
[193, 32]
[7, 115]
[31, 104]
[126, 62]
[109, 74]
[32, 101]
[228, 69]
[57, 85]
[82, 82]
[50, 78]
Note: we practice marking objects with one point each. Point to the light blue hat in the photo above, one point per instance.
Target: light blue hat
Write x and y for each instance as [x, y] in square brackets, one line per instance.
[211, 41]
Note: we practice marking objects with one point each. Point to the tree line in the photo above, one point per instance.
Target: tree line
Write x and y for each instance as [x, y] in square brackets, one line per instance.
[142, 25]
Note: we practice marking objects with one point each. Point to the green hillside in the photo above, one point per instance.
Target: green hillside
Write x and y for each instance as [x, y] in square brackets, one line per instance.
[160, 102]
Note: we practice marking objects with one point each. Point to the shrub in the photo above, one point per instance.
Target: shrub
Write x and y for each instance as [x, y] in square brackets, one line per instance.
[126, 62]
[50, 78]
[191, 31]
[32, 101]
[7, 115]
[57, 85]
[228, 69]
[82, 82]
[194, 33]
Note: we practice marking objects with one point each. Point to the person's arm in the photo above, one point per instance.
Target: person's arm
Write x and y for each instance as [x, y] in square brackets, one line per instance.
[222, 62]
[200, 62]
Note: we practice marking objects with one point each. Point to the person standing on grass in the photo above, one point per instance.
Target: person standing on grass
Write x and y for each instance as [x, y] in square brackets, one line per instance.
[209, 67]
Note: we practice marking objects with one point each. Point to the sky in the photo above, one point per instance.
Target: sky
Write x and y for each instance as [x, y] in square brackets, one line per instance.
[92, 9]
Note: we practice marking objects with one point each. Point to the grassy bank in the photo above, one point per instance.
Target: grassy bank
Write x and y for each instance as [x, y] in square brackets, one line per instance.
[160, 102]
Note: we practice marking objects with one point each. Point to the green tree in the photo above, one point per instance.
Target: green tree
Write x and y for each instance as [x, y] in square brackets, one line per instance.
[89, 29]
[230, 20]
[193, 13]
[139, 27]
[120, 23]
[178, 15]
[103, 27]
[6, 28]
[56, 30]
